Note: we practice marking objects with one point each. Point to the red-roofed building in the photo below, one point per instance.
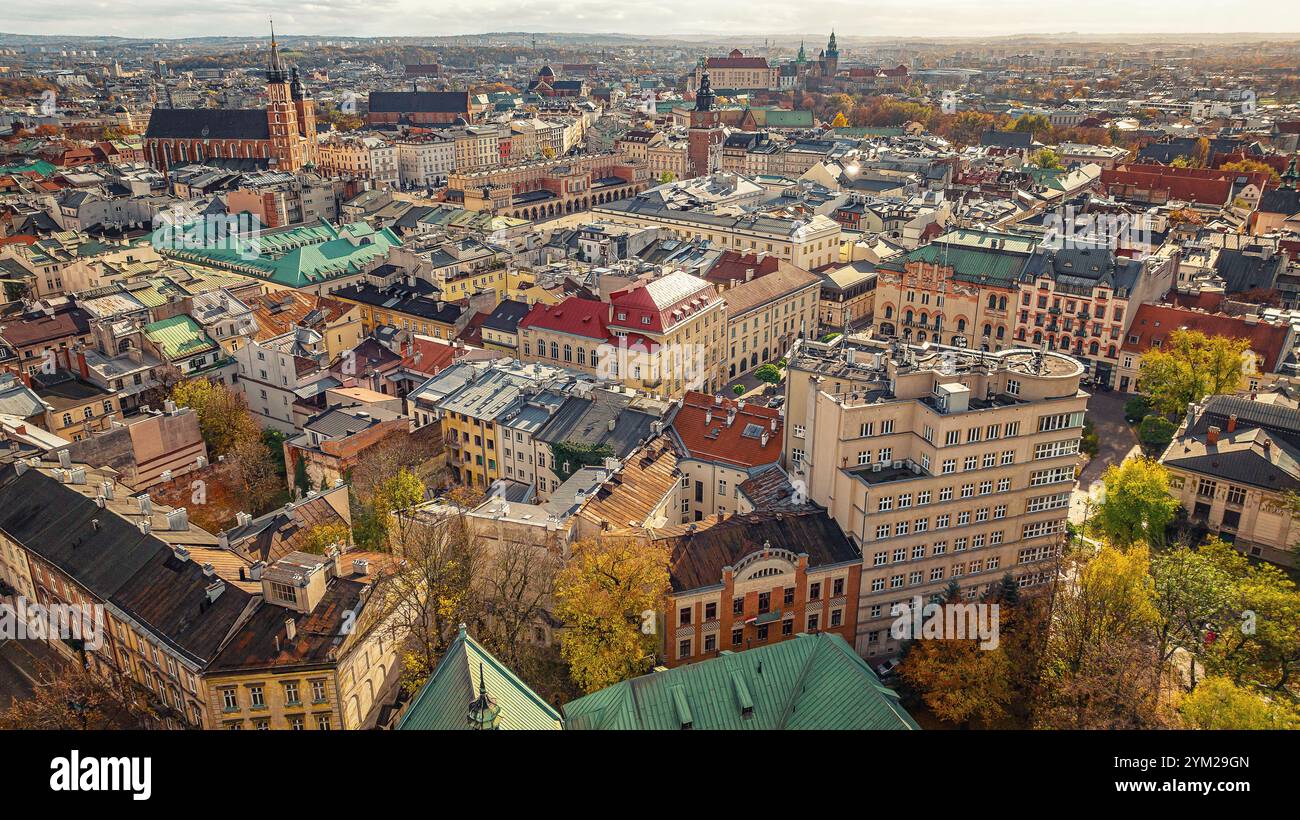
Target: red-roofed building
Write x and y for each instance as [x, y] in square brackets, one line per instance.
[734, 267]
[1270, 342]
[686, 318]
[736, 72]
[726, 442]
[1157, 184]
[568, 334]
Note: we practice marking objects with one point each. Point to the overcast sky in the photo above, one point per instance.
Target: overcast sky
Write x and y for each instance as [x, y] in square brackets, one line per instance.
[377, 18]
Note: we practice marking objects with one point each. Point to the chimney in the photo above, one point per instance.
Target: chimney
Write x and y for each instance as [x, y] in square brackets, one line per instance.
[708, 417]
[243, 519]
[214, 590]
[106, 490]
[612, 423]
[290, 629]
[749, 274]
[209, 571]
[146, 504]
[181, 553]
[255, 571]
[178, 519]
[1232, 422]
[144, 526]
[169, 407]
[361, 566]
[65, 459]
[1212, 435]
[82, 367]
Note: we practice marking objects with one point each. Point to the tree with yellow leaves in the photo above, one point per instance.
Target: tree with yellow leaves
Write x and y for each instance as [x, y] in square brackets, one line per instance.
[606, 596]
[840, 121]
[1190, 366]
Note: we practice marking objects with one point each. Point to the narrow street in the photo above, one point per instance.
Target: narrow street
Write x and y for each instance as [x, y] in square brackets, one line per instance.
[1117, 442]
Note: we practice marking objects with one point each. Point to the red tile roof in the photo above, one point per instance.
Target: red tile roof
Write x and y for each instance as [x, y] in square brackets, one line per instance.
[654, 306]
[575, 316]
[424, 354]
[737, 62]
[732, 267]
[1206, 185]
[1156, 322]
[701, 427]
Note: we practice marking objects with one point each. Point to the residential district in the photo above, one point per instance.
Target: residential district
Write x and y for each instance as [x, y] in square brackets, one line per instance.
[545, 382]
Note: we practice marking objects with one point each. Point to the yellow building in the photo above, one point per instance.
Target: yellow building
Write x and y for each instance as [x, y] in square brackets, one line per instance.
[315, 653]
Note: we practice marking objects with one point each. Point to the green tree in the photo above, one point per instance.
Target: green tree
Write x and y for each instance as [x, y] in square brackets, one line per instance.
[1033, 124]
[738, 389]
[223, 417]
[1098, 658]
[769, 373]
[1047, 159]
[1137, 505]
[604, 596]
[322, 536]
[1155, 432]
[1192, 588]
[1218, 703]
[1191, 366]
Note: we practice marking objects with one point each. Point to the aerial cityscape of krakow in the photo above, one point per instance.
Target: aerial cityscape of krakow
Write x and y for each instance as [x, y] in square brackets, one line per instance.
[390, 366]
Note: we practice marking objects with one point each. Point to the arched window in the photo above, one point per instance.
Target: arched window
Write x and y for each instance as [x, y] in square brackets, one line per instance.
[568, 353]
[1093, 348]
[582, 355]
[555, 350]
[993, 301]
[961, 325]
[889, 311]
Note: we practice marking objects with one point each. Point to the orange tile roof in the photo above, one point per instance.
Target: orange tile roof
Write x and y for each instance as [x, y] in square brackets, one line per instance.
[701, 427]
[1156, 322]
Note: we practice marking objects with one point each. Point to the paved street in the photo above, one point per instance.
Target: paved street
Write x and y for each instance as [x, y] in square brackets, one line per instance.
[1117, 441]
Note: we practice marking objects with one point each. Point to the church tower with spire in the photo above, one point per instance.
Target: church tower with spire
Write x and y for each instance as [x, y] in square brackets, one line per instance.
[287, 144]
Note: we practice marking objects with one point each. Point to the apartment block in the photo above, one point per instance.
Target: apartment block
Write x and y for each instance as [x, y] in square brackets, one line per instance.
[940, 463]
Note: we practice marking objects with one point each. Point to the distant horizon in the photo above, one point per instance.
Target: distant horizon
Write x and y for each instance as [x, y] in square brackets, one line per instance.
[713, 19]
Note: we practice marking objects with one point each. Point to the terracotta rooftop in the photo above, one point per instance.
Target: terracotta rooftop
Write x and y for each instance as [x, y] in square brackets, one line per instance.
[702, 428]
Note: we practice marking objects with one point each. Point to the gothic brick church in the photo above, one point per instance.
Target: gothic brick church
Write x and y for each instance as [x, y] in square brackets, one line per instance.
[282, 137]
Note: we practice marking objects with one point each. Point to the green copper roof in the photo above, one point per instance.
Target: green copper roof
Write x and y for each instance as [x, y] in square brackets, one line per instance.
[444, 701]
[783, 118]
[297, 257]
[179, 336]
[40, 166]
[808, 682]
[988, 257]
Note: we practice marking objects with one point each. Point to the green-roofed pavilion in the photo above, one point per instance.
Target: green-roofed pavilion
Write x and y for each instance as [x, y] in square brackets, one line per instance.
[813, 681]
[470, 681]
[297, 257]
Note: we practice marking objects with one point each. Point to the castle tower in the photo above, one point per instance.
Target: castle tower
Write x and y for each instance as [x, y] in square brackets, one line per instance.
[705, 132]
[832, 58]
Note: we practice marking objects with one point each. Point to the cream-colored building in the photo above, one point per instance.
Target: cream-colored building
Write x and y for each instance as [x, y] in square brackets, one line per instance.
[940, 463]
[766, 314]
[1232, 463]
[808, 243]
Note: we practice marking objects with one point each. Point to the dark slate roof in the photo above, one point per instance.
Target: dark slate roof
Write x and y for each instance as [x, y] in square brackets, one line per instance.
[1278, 419]
[1242, 271]
[261, 643]
[138, 573]
[402, 299]
[1007, 139]
[1280, 201]
[1083, 268]
[1251, 456]
[505, 317]
[699, 556]
[402, 102]
[586, 421]
[209, 123]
